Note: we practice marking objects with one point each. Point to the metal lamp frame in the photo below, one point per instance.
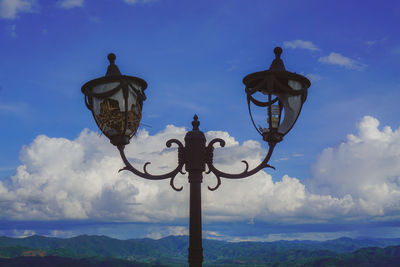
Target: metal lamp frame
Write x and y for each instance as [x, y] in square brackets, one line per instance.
[195, 155]
[274, 81]
[113, 75]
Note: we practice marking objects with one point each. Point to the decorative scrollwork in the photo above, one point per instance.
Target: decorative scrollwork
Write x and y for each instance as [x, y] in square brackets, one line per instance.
[209, 150]
[208, 171]
[171, 183]
[244, 174]
[216, 140]
[145, 168]
[247, 166]
[218, 184]
[146, 175]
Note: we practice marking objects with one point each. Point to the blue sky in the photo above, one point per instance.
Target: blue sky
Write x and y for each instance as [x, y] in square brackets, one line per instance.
[337, 171]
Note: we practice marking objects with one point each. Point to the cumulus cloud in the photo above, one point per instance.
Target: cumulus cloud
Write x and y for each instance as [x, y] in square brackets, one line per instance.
[9, 9]
[167, 231]
[78, 179]
[301, 44]
[365, 167]
[338, 59]
[68, 4]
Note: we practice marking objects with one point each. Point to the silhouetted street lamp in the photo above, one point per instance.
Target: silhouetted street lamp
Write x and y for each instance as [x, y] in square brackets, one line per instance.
[116, 103]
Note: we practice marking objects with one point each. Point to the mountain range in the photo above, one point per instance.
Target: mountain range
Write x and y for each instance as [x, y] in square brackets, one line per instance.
[172, 251]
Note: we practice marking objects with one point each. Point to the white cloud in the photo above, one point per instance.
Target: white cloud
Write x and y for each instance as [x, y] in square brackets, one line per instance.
[8, 108]
[338, 59]
[301, 44]
[282, 159]
[9, 9]
[68, 4]
[14, 108]
[366, 166]
[78, 179]
[315, 236]
[131, 2]
[13, 32]
[168, 231]
[23, 233]
[370, 42]
[314, 77]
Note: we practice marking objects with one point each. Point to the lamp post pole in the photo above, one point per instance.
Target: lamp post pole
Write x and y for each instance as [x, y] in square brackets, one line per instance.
[116, 103]
[195, 257]
[195, 165]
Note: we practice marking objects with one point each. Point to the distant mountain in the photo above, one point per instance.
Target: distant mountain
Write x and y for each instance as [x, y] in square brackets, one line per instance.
[172, 250]
[52, 261]
[366, 257]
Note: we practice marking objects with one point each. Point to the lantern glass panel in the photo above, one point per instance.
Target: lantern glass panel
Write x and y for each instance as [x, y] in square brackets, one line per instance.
[292, 106]
[110, 113]
[103, 88]
[275, 116]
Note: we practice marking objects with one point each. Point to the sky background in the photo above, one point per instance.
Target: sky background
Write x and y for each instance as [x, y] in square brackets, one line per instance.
[337, 171]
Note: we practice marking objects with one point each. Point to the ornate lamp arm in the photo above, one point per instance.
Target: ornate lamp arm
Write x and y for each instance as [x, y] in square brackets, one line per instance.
[146, 175]
[195, 155]
[246, 173]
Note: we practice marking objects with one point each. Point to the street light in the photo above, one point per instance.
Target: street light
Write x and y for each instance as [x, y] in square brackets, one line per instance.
[116, 102]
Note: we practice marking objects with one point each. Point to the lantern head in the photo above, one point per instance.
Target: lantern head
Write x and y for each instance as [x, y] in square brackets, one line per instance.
[116, 103]
[285, 94]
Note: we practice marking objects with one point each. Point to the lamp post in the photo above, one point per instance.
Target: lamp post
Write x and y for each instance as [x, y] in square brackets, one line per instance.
[116, 101]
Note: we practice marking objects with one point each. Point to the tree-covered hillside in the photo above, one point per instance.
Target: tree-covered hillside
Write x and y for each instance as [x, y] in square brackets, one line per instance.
[172, 251]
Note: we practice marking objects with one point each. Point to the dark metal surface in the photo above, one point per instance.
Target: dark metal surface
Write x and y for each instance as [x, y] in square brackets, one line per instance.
[145, 174]
[112, 75]
[246, 173]
[195, 164]
[112, 70]
[195, 155]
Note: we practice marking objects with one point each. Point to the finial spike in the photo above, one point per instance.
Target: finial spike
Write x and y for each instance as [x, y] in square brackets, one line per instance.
[112, 69]
[277, 63]
[277, 52]
[195, 123]
[111, 57]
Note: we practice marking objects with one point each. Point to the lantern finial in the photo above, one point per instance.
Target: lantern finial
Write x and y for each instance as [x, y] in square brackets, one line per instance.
[111, 57]
[277, 64]
[277, 52]
[195, 123]
[112, 70]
